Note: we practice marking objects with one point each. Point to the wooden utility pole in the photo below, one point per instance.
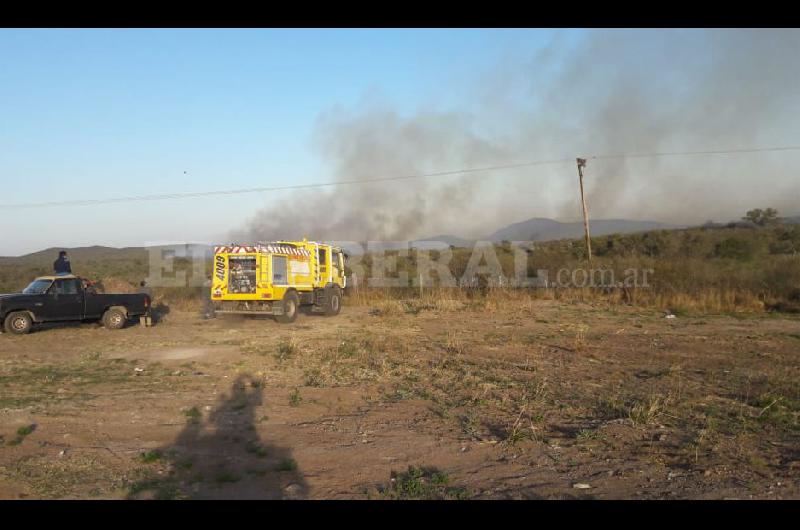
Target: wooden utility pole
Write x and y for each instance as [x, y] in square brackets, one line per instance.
[582, 164]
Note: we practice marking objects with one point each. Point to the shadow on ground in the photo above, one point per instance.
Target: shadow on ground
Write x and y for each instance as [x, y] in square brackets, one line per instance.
[221, 457]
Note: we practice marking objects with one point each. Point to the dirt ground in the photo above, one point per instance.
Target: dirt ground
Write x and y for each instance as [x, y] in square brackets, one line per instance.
[537, 400]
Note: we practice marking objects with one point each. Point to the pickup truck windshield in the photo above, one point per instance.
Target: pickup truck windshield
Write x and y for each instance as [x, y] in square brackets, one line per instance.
[38, 287]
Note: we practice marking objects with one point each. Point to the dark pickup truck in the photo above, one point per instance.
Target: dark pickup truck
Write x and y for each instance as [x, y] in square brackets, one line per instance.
[67, 298]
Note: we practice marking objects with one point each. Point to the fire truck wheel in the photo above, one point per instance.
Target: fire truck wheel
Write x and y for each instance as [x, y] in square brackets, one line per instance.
[333, 301]
[291, 304]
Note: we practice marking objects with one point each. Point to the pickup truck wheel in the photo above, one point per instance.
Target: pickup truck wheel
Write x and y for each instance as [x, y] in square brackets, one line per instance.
[291, 305]
[114, 319]
[333, 301]
[19, 323]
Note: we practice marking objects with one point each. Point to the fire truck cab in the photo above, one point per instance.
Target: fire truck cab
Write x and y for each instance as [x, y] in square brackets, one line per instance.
[278, 278]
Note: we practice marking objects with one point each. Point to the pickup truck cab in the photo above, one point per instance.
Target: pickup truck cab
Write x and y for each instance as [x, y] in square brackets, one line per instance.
[67, 298]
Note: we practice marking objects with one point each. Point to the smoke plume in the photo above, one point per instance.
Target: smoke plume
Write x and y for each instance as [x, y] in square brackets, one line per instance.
[613, 92]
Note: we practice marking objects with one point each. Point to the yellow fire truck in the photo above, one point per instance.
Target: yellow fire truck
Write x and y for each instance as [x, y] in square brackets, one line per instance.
[277, 279]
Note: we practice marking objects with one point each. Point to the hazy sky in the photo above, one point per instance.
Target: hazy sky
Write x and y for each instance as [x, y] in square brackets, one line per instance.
[109, 113]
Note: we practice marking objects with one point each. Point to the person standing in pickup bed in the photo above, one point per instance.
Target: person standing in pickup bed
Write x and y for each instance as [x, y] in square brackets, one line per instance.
[62, 266]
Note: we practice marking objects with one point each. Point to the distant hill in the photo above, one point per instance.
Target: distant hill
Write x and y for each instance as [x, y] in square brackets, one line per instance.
[454, 241]
[541, 229]
[115, 266]
[98, 253]
[535, 229]
[48, 256]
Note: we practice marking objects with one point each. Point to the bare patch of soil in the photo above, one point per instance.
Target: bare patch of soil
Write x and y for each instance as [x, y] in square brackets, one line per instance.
[535, 401]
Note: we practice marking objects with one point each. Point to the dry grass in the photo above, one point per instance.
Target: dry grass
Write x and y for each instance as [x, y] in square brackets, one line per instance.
[395, 302]
[454, 345]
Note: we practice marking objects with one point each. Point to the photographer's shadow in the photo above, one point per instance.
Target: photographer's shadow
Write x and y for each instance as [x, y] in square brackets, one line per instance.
[222, 457]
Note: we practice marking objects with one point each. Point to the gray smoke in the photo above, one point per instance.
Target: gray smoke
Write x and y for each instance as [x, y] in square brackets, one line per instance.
[614, 92]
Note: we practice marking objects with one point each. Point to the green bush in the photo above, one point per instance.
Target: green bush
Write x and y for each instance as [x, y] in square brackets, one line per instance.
[735, 248]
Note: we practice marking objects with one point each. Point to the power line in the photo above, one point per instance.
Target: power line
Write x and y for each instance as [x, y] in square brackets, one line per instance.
[690, 153]
[186, 195]
[89, 202]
